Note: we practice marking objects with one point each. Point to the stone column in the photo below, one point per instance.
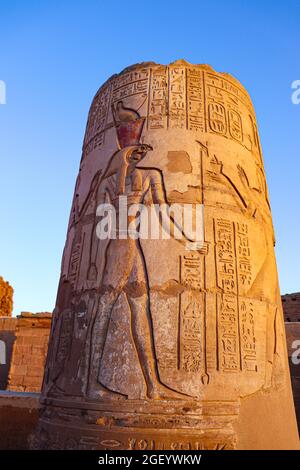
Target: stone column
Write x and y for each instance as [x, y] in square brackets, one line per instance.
[169, 343]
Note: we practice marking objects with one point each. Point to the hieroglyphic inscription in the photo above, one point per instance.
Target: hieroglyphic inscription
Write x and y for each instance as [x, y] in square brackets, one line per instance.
[223, 104]
[190, 267]
[235, 124]
[243, 254]
[255, 140]
[158, 99]
[191, 314]
[97, 120]
[190, 334]
[132, 83]
[248, 339]
[74, 264]
[228, 334]
[177, 98]
[217, 118]
[195, 98]
[65, 338]
[225, 256]
[235, 323]
[227, 321]
[220, 88]
[207, 442]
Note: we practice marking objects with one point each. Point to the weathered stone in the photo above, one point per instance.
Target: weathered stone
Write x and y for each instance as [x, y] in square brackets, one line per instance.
[6, 298]
[18, 419]
[7, 339]
[29, 352]
[291, 311]
[291, 307]
[169, 344]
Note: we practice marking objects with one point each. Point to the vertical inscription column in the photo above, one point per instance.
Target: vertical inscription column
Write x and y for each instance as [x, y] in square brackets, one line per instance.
[158, 99]
[246, 307]
[236, 315]
[177, 98]
[191, 334]
[195, 100]
[223, 107]
[227, 321]
[97, 120]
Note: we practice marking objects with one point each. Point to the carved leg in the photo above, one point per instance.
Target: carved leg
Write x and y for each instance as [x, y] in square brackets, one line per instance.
[142, 333]
[98, 337]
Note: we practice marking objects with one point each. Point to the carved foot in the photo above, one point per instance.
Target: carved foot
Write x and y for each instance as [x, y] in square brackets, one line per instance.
[160, 392]
[98, 392]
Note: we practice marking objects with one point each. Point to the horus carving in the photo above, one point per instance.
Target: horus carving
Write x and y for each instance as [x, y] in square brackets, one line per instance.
[126, 277]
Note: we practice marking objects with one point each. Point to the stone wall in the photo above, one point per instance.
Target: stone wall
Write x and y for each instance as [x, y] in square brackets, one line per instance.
[291, 310]
[29, 352]
[292, 335]
[291, 307]
[25, 340]
[7, 339]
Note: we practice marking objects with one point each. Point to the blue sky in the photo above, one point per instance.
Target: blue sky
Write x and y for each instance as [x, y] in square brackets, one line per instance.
[55, 55]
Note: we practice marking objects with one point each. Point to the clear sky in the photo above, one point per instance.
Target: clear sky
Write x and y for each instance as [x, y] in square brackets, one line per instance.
[54, 55]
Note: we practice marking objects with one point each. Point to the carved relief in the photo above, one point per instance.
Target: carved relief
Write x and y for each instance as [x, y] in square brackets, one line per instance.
[191, 270]
[94, 136]
[75, 263]
[228, 319]
[150, 338]
[236, 322]
[235, 124]
[130, 84]
[217, 118]
[192, 314]
[248, 336]
[129, 276]
[61, 353]
[177, 98]
[224, 107]
[195, 100]
[158, 99]
[191, 333]
[243, 253]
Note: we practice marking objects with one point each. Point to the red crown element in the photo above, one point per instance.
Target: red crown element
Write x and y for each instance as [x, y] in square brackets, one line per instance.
[129, 133]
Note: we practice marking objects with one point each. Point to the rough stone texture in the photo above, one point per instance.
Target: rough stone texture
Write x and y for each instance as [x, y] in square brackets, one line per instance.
[7, 339]
[291, 307]
[18, 419]
[153, 345]
[291, 310]
[29, 352]
[6, 298]
[292, 335]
